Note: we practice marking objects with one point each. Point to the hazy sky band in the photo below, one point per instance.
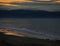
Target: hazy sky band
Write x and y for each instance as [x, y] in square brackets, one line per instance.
[26, 0]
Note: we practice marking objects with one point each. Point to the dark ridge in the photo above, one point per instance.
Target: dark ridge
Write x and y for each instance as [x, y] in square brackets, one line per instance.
[21, 13]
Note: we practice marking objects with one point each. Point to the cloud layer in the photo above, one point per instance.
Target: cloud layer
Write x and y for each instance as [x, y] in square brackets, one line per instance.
[13, 0]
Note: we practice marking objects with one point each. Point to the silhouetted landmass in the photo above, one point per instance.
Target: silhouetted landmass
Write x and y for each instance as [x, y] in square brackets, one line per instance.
[9, 40]
[21, 13]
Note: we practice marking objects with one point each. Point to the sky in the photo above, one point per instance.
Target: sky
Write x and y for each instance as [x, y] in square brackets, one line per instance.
[19, 0]
[13, 0]
[5, 4]
[10, 4]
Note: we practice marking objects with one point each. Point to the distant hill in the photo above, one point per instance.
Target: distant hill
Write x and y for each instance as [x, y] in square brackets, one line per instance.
[21, 13]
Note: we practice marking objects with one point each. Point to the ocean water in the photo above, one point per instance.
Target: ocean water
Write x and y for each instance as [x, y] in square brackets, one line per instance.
[38, 27]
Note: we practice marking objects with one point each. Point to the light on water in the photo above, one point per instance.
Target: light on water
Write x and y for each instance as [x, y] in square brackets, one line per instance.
[48, 28]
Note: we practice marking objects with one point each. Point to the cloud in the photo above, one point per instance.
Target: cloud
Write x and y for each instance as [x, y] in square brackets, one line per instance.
[30, 5]
[14, 0]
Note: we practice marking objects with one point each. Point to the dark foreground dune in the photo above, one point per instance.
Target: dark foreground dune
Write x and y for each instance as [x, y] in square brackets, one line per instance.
[10, 40]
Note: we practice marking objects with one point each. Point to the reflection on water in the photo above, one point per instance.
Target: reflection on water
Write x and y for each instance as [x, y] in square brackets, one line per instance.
[11, 32]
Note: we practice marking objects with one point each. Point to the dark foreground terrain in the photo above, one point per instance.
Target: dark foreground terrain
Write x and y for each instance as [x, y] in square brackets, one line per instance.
[9, 40]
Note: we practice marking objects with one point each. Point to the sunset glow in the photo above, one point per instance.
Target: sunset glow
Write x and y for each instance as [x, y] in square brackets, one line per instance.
[13, 0]
[7, 2]
[58, 1]
[21, 0]
[9, 5]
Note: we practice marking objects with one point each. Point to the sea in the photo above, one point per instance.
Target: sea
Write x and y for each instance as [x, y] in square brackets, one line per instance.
[48, 27]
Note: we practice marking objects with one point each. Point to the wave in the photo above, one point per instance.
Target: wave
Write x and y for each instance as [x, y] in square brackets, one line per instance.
[32, 33]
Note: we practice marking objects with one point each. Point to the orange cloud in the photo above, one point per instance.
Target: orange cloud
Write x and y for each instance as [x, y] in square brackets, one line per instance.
[58, 1]
[7, 4]
[6, 0]
[13, 0]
